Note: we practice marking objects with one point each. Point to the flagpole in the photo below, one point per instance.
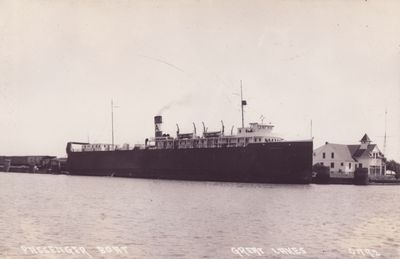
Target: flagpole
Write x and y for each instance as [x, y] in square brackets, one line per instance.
[112, 122]
[384, 139]
[241, 102]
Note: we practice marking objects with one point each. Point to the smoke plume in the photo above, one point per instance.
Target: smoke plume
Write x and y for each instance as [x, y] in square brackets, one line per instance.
[187, 99]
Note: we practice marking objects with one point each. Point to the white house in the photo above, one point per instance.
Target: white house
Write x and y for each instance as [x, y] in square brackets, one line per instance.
[346, 158]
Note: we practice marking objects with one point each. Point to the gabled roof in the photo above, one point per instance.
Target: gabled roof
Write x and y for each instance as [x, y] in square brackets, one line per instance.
[342, 151]
[353, 149]
[357, 152]
[351, 152]
[354, 152]
[365, 138]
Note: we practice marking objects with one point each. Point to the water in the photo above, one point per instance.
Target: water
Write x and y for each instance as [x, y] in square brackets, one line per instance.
[179, 219]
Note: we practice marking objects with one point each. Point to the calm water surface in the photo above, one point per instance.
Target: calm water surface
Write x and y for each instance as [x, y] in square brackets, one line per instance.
[179, 219]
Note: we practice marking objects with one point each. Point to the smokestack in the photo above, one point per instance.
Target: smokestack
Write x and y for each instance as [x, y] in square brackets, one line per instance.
[157, 125]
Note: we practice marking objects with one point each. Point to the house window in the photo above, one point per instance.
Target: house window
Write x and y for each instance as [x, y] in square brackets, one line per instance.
[341, 164]
[323, 155]
[332, 155]
[349, 165]
[360, 165]
[332, 165]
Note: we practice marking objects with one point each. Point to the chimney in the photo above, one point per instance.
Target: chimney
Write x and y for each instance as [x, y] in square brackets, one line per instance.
[157, 126]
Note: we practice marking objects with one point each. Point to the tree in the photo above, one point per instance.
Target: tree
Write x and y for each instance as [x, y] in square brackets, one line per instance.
[393, 166]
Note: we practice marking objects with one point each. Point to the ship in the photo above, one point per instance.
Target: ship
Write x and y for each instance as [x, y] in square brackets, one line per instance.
[253, 155]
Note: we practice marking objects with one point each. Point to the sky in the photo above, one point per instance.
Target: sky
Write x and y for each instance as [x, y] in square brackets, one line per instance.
[336, 63]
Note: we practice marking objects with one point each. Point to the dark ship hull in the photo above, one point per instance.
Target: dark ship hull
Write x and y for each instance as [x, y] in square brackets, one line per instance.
[280, 162]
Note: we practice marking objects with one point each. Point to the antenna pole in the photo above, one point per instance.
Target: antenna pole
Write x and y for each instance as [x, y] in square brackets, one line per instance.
[384, 138]
[311, 130]
[241, 102]
[262, 119]
[112, 122]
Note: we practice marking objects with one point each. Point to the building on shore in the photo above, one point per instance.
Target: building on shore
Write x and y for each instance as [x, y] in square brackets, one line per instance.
[32, 164]
[344, 159]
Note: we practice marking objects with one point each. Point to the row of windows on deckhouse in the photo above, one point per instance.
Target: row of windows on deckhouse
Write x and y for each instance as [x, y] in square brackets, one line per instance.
[211, 142]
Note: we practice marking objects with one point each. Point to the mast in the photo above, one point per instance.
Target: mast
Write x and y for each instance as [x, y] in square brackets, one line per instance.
[311, 130]
[242, 102]
[112, 122]
[384, 138]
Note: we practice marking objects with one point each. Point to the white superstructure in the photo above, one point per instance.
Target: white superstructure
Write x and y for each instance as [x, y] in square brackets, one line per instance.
[255, 133]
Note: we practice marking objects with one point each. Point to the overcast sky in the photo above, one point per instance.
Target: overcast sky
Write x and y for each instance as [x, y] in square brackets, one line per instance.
[61, 62]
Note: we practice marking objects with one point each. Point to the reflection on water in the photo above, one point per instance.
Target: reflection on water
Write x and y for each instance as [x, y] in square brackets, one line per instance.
[167, 219]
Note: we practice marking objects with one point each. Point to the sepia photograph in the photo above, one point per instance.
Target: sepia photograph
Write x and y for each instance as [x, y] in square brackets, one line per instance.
[199, 129]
